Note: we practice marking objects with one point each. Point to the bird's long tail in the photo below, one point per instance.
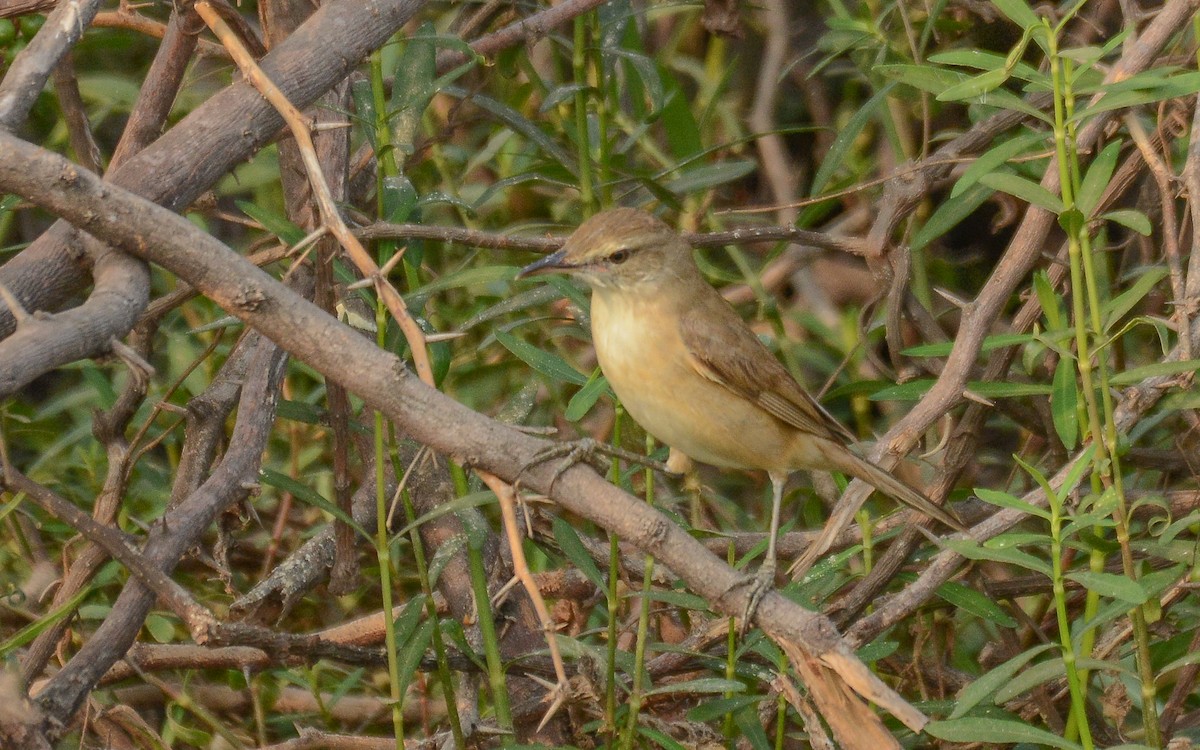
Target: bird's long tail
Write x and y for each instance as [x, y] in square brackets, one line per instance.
[887, 483]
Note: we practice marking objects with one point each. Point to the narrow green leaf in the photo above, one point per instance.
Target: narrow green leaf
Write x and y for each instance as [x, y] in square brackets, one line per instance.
[947, 216]
[915, 389]
[701, 685]
[974, 87]
[1115, 309]
[1027, 190]
[709, 176]
[991, 343]
[1002, 731]
[662, 739]
[925, 78]
[1159, 369]
[846, 137]
[307, 494]
[715, 709]
[413, 651]
[273, 222]
[1005, 500]
[586, 397]
[574, 550]
[1049, 300]
[1064, 404]
[1131, 219]
[1019, 13]
[1009, 556]
[1096, 180]
[550, 365]
[35, 628]
[995, 157]
[519, 123]
[967, 599]
[975, 693]
[1109, 584]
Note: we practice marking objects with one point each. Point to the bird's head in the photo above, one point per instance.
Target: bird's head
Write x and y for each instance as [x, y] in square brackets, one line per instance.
[619, 249]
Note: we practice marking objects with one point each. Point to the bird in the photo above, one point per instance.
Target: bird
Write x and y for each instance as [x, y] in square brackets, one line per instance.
[693, 374]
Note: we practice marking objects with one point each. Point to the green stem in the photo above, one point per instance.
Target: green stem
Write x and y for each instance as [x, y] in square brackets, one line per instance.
[384, 555]
[439, 646]
[487, 632]
[579, 67]
[613, 601]
[637, 692]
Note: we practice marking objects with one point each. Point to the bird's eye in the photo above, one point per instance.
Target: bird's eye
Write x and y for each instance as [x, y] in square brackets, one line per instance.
[620, 256]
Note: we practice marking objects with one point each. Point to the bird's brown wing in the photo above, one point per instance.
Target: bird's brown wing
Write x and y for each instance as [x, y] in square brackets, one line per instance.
[723, 349]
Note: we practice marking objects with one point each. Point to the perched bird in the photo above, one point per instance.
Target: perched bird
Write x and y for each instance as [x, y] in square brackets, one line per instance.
[693, 374]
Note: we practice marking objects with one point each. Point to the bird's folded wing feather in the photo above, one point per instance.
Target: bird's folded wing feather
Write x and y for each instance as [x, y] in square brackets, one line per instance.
[723, 349]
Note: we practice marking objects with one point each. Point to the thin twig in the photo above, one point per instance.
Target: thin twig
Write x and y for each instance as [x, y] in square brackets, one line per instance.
[329, 213]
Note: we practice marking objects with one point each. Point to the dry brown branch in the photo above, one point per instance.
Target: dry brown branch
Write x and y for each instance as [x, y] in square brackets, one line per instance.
[187, 160]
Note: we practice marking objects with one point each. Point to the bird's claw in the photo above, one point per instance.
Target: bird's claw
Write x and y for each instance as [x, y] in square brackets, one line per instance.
[587, 450]
[568, 454]
[762, 582]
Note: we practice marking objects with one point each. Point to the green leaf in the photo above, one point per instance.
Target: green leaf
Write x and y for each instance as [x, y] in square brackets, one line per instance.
[161, 629]
[915, 389]
[466, 278]
[701, 685]
[1009, 556]
[586, 397]
[967, 599]
[35, 628]
[307, 494]
[991, 343]
[574, 550]
[947, 216]
[1024, 189]
[720, 707]
[1005, 500]
[1049, 300]
[973, 694]
[1019, 13]
[1001, 731]
[519, 123]
[846, 137]
[659, 738]
[1111, 585]
[1097, 177]
[994, 158]
[412, 652]
[550, 365]
[984, 60]
[1130, 218]
[1115, 309]
[1140, 90]
[647, 70]
[925, 78]
[275, 223]
[1159, 369]
[972, 88]
[709, 176]
[1064, 403]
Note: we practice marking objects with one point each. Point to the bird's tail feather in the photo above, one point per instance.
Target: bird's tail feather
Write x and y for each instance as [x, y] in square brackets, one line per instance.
[887, 483]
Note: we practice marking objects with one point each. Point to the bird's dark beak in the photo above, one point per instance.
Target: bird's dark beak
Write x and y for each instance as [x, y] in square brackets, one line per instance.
[549, 264]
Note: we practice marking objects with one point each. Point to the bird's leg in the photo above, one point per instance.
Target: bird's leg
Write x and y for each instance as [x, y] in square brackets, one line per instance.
[764, 580]
[570, 452]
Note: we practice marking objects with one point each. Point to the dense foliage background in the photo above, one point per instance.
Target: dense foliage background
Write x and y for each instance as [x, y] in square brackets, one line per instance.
[975, 239]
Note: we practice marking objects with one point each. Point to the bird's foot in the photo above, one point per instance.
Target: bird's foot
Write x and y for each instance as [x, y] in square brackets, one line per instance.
[759, 584]
[587, 450]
